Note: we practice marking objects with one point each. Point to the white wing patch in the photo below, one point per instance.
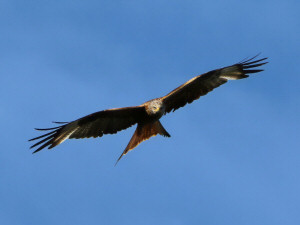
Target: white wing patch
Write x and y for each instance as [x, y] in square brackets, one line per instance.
[231, 73]
[66, 133]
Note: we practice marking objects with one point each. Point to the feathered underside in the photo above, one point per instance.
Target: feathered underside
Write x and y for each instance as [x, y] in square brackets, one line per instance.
[94, 125]
[202, 84]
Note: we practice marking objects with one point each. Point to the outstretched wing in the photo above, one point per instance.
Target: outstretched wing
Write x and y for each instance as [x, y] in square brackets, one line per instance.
[94, 125]
[202, 84]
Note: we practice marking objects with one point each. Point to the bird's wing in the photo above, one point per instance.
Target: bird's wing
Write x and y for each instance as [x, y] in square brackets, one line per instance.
[202, 84]
[94, 125]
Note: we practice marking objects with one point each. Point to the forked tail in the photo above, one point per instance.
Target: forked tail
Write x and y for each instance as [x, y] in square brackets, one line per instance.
[143, 132]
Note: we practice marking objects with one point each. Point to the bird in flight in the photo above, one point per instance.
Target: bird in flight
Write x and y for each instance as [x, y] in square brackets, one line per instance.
[146, 115]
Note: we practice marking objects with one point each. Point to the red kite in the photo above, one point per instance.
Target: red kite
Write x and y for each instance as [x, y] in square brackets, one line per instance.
[147, 115]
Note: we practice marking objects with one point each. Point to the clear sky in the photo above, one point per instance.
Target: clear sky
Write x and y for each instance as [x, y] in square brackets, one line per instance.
[234, 155]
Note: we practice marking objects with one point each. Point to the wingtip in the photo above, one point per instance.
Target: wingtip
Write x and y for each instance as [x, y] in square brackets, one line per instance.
[48, 139]
[35, 150]
[251, 60]
[59, 122]
[247, 59]
[254, 71]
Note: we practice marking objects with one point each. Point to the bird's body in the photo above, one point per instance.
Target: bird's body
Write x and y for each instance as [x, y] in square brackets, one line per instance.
[146, 115]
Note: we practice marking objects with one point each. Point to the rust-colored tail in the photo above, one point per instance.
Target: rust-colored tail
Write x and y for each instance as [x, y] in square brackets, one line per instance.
[143, 132]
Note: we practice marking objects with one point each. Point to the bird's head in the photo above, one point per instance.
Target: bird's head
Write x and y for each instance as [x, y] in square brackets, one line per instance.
[155, 107]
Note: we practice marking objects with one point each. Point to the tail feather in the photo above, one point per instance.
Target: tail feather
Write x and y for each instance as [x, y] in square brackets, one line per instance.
[142, 133]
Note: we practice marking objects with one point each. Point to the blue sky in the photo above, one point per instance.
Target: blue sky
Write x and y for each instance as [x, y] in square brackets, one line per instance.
[234, 154]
